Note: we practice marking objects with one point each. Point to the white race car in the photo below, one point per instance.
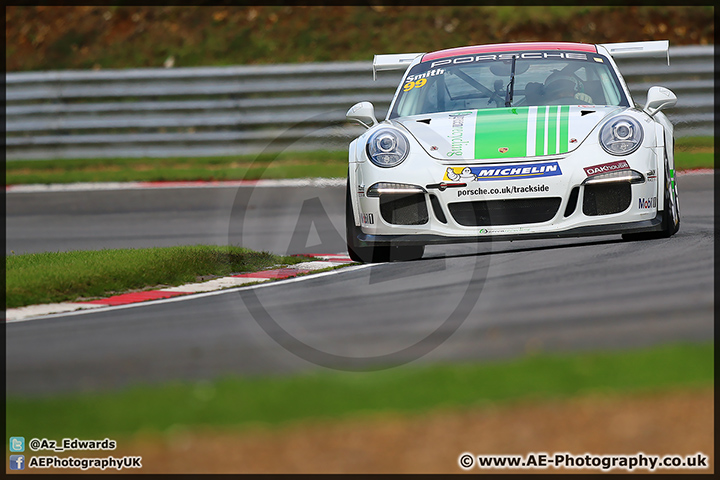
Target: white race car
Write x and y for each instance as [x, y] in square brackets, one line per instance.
[510, 141]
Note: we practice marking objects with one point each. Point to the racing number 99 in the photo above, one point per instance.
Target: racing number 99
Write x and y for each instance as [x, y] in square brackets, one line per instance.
[417, 84]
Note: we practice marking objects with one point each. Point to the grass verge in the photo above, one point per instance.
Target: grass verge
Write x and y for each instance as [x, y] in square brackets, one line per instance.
[691, 160]
[249, 167]
[693, 152]
[67, 276]
[234, 402]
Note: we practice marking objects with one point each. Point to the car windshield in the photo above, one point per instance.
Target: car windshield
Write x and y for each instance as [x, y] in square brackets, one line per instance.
[480, 82]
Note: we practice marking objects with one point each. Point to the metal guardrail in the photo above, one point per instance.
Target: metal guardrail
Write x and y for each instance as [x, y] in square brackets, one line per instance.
[248, 109]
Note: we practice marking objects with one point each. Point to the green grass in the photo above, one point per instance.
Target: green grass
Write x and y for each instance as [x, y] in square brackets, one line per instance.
[68, 276]
[234, 402]
[690, 160]
[694, 143]
[695, 152]
[248, 167]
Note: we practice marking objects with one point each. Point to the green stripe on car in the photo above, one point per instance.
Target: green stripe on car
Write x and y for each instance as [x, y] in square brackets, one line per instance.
[540, 131]
[564, 128]
[499, 129]
[557, 120]
[503, 132]
[552, 131]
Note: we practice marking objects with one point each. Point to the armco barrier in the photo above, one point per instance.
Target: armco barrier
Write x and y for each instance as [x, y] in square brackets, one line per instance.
[247, 109]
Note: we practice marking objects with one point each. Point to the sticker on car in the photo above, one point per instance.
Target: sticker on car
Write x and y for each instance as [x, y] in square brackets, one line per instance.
[506, 172]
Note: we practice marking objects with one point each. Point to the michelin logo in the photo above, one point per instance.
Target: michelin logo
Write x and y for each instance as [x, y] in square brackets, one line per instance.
[465, 174]
[509, 172]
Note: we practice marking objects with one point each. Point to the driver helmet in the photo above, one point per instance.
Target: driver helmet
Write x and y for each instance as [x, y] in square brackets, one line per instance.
[559, 85]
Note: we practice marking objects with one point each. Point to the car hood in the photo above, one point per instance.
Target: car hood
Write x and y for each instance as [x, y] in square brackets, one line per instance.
[499, 133]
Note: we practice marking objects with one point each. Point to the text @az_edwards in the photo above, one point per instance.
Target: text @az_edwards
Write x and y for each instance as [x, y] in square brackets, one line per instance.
[65, 444]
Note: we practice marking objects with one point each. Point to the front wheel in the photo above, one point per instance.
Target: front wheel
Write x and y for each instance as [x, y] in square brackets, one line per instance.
[373, 254]
[670, 215]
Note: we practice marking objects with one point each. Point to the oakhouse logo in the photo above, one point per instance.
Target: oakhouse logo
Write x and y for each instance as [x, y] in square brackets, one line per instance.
[606, 167]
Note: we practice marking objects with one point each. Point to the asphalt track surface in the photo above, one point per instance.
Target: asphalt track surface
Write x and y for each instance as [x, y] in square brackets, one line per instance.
[459, 303]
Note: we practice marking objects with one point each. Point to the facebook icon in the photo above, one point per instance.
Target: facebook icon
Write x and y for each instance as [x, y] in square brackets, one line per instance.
[17, 462]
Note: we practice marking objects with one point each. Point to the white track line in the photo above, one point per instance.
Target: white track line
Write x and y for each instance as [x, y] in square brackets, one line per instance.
[194, 296]
[324, 261]
[104, 186]
[696, 171]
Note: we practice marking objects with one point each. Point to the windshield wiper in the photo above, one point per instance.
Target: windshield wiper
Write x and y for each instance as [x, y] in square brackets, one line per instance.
[511, 85]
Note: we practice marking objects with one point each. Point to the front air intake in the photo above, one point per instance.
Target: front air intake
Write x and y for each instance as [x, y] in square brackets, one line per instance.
[606, 198]
[437, 209]
[572, 202]
[404, 208]
[505, 212]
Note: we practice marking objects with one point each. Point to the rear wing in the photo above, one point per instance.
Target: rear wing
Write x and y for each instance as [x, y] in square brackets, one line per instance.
[658, 48]
[398, 61]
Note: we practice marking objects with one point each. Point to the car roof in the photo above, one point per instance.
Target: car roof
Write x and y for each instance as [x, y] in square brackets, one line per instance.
[509, 47]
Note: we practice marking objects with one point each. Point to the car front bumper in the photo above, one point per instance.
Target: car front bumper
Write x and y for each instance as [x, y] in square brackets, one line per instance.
[643, 226]
[477, 211]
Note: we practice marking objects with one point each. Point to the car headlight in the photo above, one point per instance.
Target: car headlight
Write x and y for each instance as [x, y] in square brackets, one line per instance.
[621, 136]
[387, 147]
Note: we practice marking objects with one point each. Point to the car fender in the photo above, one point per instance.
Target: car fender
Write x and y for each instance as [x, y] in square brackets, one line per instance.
[353, 182]
[668, 131]
[664, 138]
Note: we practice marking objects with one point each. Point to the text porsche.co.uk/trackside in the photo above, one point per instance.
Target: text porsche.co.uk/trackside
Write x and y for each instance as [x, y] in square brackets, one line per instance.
[506, 190]
[19, 461]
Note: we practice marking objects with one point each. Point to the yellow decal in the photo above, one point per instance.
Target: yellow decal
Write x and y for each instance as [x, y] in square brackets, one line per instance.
[417, 84]
[455, 174]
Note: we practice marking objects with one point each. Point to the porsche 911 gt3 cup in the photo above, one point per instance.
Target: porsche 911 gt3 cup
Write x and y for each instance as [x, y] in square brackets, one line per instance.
[510, 141]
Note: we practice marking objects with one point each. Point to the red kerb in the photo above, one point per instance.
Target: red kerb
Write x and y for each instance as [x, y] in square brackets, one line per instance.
[135, 297]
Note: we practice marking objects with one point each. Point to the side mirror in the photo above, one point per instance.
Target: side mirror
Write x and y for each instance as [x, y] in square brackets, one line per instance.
[659, 98]
[363, 112]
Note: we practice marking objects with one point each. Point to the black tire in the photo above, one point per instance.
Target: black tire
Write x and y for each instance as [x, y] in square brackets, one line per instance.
[373, 254]
[670, 214]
